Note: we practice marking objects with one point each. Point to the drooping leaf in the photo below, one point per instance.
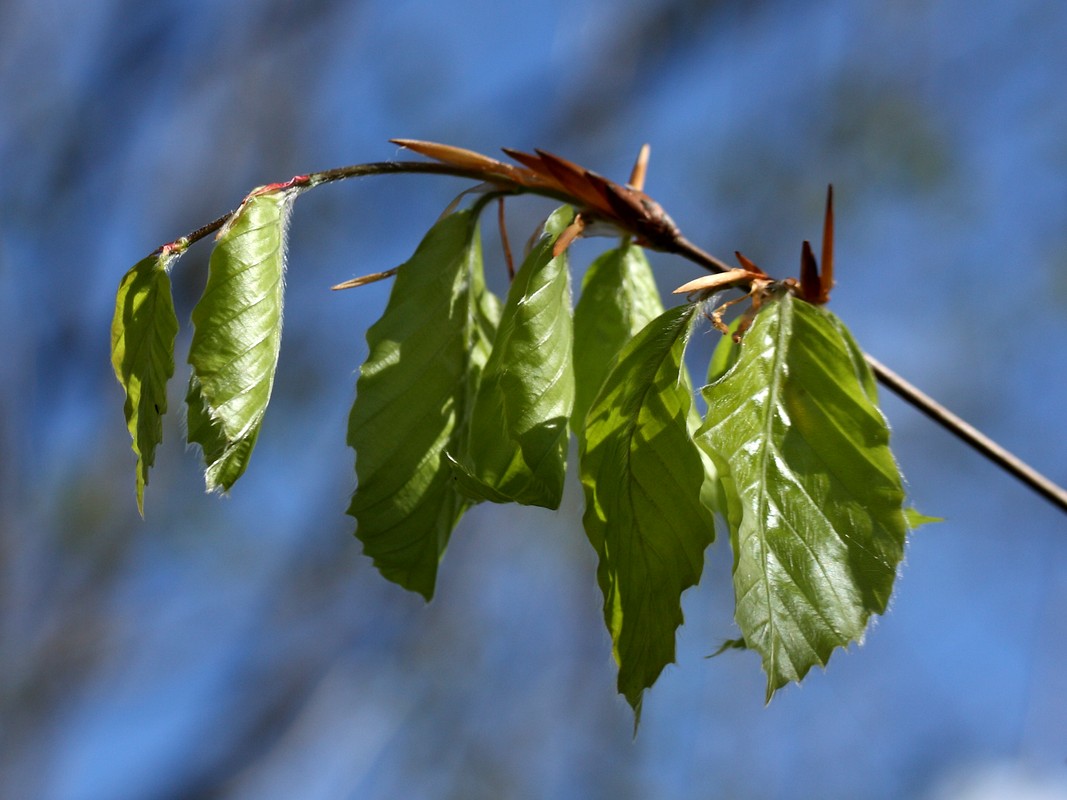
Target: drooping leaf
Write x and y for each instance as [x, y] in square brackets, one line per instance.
[619, 297]
[237, 333]
[143, 330]
[519, 427]
[643, 477]
[821, 529]
[413, 400]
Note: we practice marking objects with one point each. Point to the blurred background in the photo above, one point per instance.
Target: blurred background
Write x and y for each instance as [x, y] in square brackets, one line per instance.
[244, 648]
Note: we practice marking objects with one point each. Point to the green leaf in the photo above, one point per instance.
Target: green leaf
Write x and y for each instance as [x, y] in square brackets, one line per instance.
[643, 477]
[821, 528]
[619, 297]
[237, 333]
[143, 330]
[413, 400]
[519, 428]
[859, 363]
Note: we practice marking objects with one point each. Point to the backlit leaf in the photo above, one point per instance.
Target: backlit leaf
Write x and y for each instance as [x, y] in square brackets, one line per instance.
[821, 527]
[643, 477]
[413, 400]
[237, 333]
[143, 330]
[519, 427]
[619, 297]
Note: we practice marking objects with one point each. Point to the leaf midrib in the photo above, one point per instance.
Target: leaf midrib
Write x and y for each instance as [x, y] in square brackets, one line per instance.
[767, 420]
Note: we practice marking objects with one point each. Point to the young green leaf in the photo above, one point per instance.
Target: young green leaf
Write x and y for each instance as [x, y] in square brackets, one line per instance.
[237, 333]
[519, 427]
[143, 330]
[413, 401]
[619, 297]
[821, 529]
[643, 477]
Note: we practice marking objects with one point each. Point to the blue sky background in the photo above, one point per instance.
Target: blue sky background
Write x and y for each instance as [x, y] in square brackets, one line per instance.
[244, 648]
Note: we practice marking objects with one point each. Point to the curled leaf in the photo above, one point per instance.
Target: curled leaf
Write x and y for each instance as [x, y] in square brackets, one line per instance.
[237, 334]
[143, 330]
[519, 428]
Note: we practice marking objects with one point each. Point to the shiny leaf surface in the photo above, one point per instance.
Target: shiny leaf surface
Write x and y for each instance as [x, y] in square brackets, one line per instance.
[819, 529]
[237, 334]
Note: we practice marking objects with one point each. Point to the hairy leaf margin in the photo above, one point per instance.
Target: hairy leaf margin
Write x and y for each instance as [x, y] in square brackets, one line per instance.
[237, 327]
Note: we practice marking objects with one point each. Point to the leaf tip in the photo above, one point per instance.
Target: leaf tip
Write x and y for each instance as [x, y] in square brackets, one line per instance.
[916, 519]
[636, 706]
[729, 644]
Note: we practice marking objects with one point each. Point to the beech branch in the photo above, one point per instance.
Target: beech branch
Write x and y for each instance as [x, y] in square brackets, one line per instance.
[654, 230]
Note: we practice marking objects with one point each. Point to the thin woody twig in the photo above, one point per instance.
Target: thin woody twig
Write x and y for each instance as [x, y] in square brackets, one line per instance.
[970, 435]
[374, 168]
